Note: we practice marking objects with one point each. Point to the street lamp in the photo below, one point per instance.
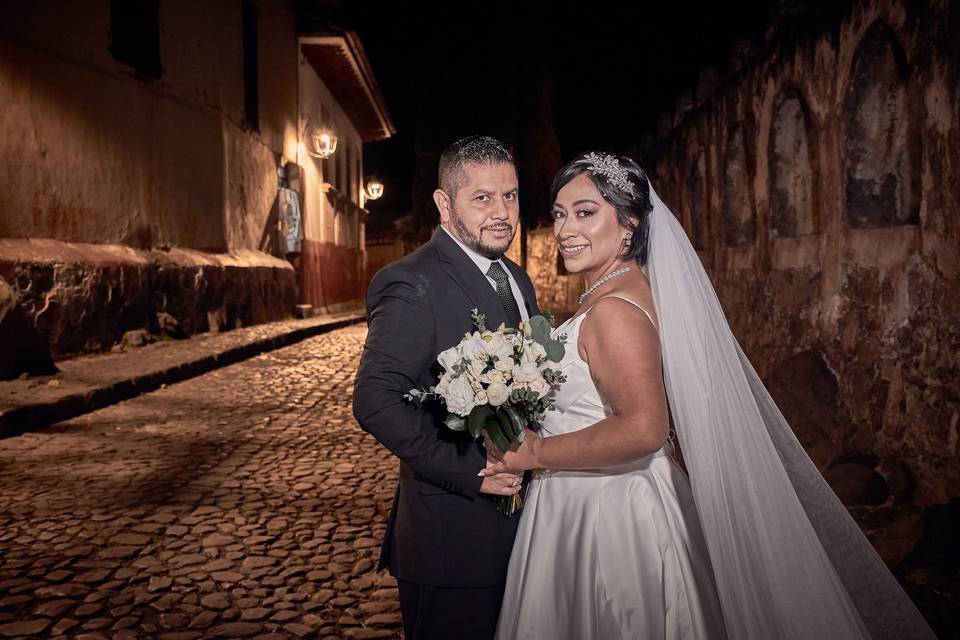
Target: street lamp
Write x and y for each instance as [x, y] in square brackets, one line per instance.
[374, 189]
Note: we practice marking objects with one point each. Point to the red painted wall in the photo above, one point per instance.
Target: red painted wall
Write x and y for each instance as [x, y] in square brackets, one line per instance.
[330, 274]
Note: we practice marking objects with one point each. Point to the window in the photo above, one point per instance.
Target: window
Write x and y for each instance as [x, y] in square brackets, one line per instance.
[135, 35]
[251, 88]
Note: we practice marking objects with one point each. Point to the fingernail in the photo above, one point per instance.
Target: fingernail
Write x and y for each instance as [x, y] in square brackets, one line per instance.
[481, 474]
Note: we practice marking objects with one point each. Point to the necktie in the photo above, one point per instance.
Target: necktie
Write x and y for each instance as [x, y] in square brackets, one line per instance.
[499, 275]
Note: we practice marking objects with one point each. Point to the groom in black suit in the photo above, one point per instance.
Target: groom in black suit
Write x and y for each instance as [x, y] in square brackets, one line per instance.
[446, 543]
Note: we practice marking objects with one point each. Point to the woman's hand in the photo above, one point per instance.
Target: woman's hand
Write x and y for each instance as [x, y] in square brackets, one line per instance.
[519, 459]
[500, 484]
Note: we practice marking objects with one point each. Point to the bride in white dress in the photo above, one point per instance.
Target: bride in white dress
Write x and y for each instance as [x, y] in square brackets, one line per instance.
[614, 540]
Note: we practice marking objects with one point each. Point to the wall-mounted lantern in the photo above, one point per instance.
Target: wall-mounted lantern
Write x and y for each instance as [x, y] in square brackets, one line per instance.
[374, 189]
[322, 143]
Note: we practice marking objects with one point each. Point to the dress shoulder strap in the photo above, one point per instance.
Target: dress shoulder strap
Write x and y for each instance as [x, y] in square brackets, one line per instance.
[637, 305]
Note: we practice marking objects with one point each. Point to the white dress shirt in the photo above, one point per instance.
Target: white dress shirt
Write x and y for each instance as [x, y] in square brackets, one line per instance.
[483, 263]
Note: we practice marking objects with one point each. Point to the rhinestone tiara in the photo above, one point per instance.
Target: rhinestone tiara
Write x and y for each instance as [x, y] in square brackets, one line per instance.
[608, 165]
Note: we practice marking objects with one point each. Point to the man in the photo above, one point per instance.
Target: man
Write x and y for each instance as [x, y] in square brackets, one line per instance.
[446, 543]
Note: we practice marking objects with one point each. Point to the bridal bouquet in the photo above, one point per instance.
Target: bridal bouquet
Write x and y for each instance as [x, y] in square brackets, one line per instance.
[498, 382]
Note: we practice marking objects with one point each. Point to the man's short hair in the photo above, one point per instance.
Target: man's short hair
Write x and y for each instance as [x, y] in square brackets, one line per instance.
[482, 150]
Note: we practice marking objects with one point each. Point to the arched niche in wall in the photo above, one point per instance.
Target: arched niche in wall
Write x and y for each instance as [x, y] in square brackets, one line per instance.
[882, 146]
[739, 220]
[793, 172]
[698, 203]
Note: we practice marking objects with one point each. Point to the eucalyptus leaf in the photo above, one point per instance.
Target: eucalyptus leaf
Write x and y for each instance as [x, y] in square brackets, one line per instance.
[540, 332]
[555, 350]
[540, 329]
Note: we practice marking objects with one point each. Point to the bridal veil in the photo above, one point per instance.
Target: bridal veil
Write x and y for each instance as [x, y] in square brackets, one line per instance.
[790, 563]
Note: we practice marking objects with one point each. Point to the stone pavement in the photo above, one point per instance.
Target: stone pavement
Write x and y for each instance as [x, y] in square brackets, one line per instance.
[245, 502]
[92, 382]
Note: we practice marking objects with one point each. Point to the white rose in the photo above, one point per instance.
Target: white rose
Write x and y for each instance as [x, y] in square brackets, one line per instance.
[505, 352]
[459, 396]
[540, 386]
[449, 358]
[497, 393]
[492, 342]
[477, 367]
[533, 351]
[526, 372]
[480, 397]
[505, 365]
[443, 385]
[472, 346]
[496, 376]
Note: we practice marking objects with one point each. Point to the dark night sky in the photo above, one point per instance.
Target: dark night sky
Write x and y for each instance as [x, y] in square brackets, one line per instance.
[615, 67]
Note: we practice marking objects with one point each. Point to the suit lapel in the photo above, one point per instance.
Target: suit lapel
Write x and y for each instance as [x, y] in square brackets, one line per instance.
[465, 273]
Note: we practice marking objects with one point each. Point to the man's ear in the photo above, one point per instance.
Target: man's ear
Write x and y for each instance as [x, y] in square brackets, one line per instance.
[442, 200]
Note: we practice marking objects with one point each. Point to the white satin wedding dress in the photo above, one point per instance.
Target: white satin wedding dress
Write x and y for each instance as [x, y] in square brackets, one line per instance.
[607, 554]
[635, 552]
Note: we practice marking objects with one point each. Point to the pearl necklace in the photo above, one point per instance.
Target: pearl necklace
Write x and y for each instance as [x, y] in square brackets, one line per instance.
[609, 276]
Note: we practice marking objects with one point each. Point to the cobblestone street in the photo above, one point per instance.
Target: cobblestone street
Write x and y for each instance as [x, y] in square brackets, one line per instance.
[243, 503]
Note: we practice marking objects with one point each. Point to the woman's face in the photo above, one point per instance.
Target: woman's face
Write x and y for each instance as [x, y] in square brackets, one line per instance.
[586, 227]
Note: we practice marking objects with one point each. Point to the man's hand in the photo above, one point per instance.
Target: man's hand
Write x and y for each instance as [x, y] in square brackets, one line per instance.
[500, 484]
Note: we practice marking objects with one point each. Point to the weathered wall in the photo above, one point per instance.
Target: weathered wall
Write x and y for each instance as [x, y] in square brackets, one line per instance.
[102, 166]
[821, 184]
[83, 297]
[332, 275]
[556, 291]
[332, 262]
[22, 350]
[93, 153]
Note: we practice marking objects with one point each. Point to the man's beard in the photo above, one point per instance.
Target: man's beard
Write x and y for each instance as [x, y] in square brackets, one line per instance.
[474, 241]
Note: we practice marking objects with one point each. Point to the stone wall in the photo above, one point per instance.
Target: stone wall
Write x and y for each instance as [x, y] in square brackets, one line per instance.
[82, 298]
[821, 185]
[556, 290]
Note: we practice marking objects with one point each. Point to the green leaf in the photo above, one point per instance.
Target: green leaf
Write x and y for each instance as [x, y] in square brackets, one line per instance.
[540, 332]
[477, 418]
[555, 350]
[496, 435]
[504, 423]
[455, 422]
[514, 421]
[540, 329]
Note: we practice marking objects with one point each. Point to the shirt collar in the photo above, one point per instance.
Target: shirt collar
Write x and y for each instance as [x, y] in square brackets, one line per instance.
[483, 263]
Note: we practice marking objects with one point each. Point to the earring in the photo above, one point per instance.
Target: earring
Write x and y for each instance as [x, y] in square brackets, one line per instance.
[626, 241]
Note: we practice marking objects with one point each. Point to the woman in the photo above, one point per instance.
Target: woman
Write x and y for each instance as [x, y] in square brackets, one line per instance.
[614, 542]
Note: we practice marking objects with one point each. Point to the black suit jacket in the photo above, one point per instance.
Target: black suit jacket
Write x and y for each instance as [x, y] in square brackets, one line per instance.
[441, 530]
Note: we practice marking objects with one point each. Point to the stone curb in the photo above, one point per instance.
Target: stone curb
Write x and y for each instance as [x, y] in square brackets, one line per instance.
[35, 416]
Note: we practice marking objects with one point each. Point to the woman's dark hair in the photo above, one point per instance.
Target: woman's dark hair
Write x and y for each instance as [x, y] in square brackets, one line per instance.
[627, 207]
